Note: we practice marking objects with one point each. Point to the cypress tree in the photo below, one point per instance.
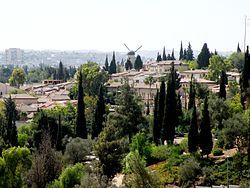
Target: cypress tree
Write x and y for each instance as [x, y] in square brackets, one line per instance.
[147, 109]
[158, 57]
[238, 48]
[181, 57]
[203, 57]
[185, 54]
[169, 57]
[193, 135]
[206, 141]
[223, 81]
[246, 71]
[156, 127]
[161, 105]
[10, 113]
[179, 109]
[106, 65]
[170, 116]
[81, 130]
[112, 67]
[60, 71]
[190, 55]
[164, 56]
[172, 55]
[138, 63]
[128, 65]
[191, 100]
[215, 53]
[99, 115]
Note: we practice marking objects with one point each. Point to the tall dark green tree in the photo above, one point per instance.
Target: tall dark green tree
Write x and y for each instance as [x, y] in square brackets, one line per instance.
[203, 57]
[193, 135]
[223, 82]
[112, 67]
[191, 100]
[181, 57]
[172, 55]
[128, 65]
[245, 77]
[99, 115]
[81, 130]
[158, 59]
[190, 54]
[206, 140]
[106, 65]
[238, 48]
[164, 56]
[179, 109]
[185, 54]
[156, 127]
[138, 63]
[10, 113]
[170, 119]
[60, 71]
[161, 105]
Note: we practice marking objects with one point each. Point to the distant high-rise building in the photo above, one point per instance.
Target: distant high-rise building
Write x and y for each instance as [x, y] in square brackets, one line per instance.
[14, 56]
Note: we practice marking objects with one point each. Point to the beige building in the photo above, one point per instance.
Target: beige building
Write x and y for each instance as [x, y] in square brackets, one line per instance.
[21, 99]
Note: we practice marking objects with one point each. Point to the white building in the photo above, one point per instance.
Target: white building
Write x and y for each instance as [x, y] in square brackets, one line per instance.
[14, 56]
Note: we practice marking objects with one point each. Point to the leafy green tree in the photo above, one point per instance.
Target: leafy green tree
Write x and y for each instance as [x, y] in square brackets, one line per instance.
[93, 78]
[81, 130]
[46, 164]
[190, 54]
[237, 60]
[140, 177]
[170, 119]
[235, 132]
[206, 140]
[128, 114]
[192, 65]
[106, 65]
[188, 172]
[128, 65]
[17, 77]
[76, 150]
[203, 57]
[61, 72]
[181, 57]
[193, 135]
[111, 148]
[216, 65]
[112, 67]
[164, 56]
[10, 113]
[138, 63]
[71, 176]
[14, 165]
[223, 82]
[99, 115]
[141, 145]
[156, 125]
[219, 111]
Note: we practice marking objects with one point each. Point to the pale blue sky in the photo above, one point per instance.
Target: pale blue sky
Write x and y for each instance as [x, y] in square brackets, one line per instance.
[106, 24]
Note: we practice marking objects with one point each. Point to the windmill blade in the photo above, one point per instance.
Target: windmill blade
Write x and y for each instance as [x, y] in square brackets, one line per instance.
[138, 49]
[127, 47]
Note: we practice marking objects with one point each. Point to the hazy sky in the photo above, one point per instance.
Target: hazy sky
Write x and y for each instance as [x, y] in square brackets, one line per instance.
[106, 24]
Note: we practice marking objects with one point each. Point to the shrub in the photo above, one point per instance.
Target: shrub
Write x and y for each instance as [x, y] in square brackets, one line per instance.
[188, 172]
[217, 152]
[76, 150]
[160, 153]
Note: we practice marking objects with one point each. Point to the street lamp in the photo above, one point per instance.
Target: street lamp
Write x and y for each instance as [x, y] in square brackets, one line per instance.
[245, 35]
[227, 172]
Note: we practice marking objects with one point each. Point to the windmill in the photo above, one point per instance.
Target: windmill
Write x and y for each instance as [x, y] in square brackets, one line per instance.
[131, 54]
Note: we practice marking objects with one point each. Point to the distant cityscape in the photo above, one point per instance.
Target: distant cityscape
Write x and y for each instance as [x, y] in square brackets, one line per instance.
[33, 58]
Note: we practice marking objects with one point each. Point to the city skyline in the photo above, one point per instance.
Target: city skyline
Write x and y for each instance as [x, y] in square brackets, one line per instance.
[106, 25]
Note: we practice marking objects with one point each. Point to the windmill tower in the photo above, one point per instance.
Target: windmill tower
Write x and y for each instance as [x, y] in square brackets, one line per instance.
[131, 54]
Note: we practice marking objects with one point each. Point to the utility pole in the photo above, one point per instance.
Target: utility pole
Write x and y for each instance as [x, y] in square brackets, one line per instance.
[245, 33]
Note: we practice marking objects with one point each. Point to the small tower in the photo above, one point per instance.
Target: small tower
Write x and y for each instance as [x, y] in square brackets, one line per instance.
[131, 54]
